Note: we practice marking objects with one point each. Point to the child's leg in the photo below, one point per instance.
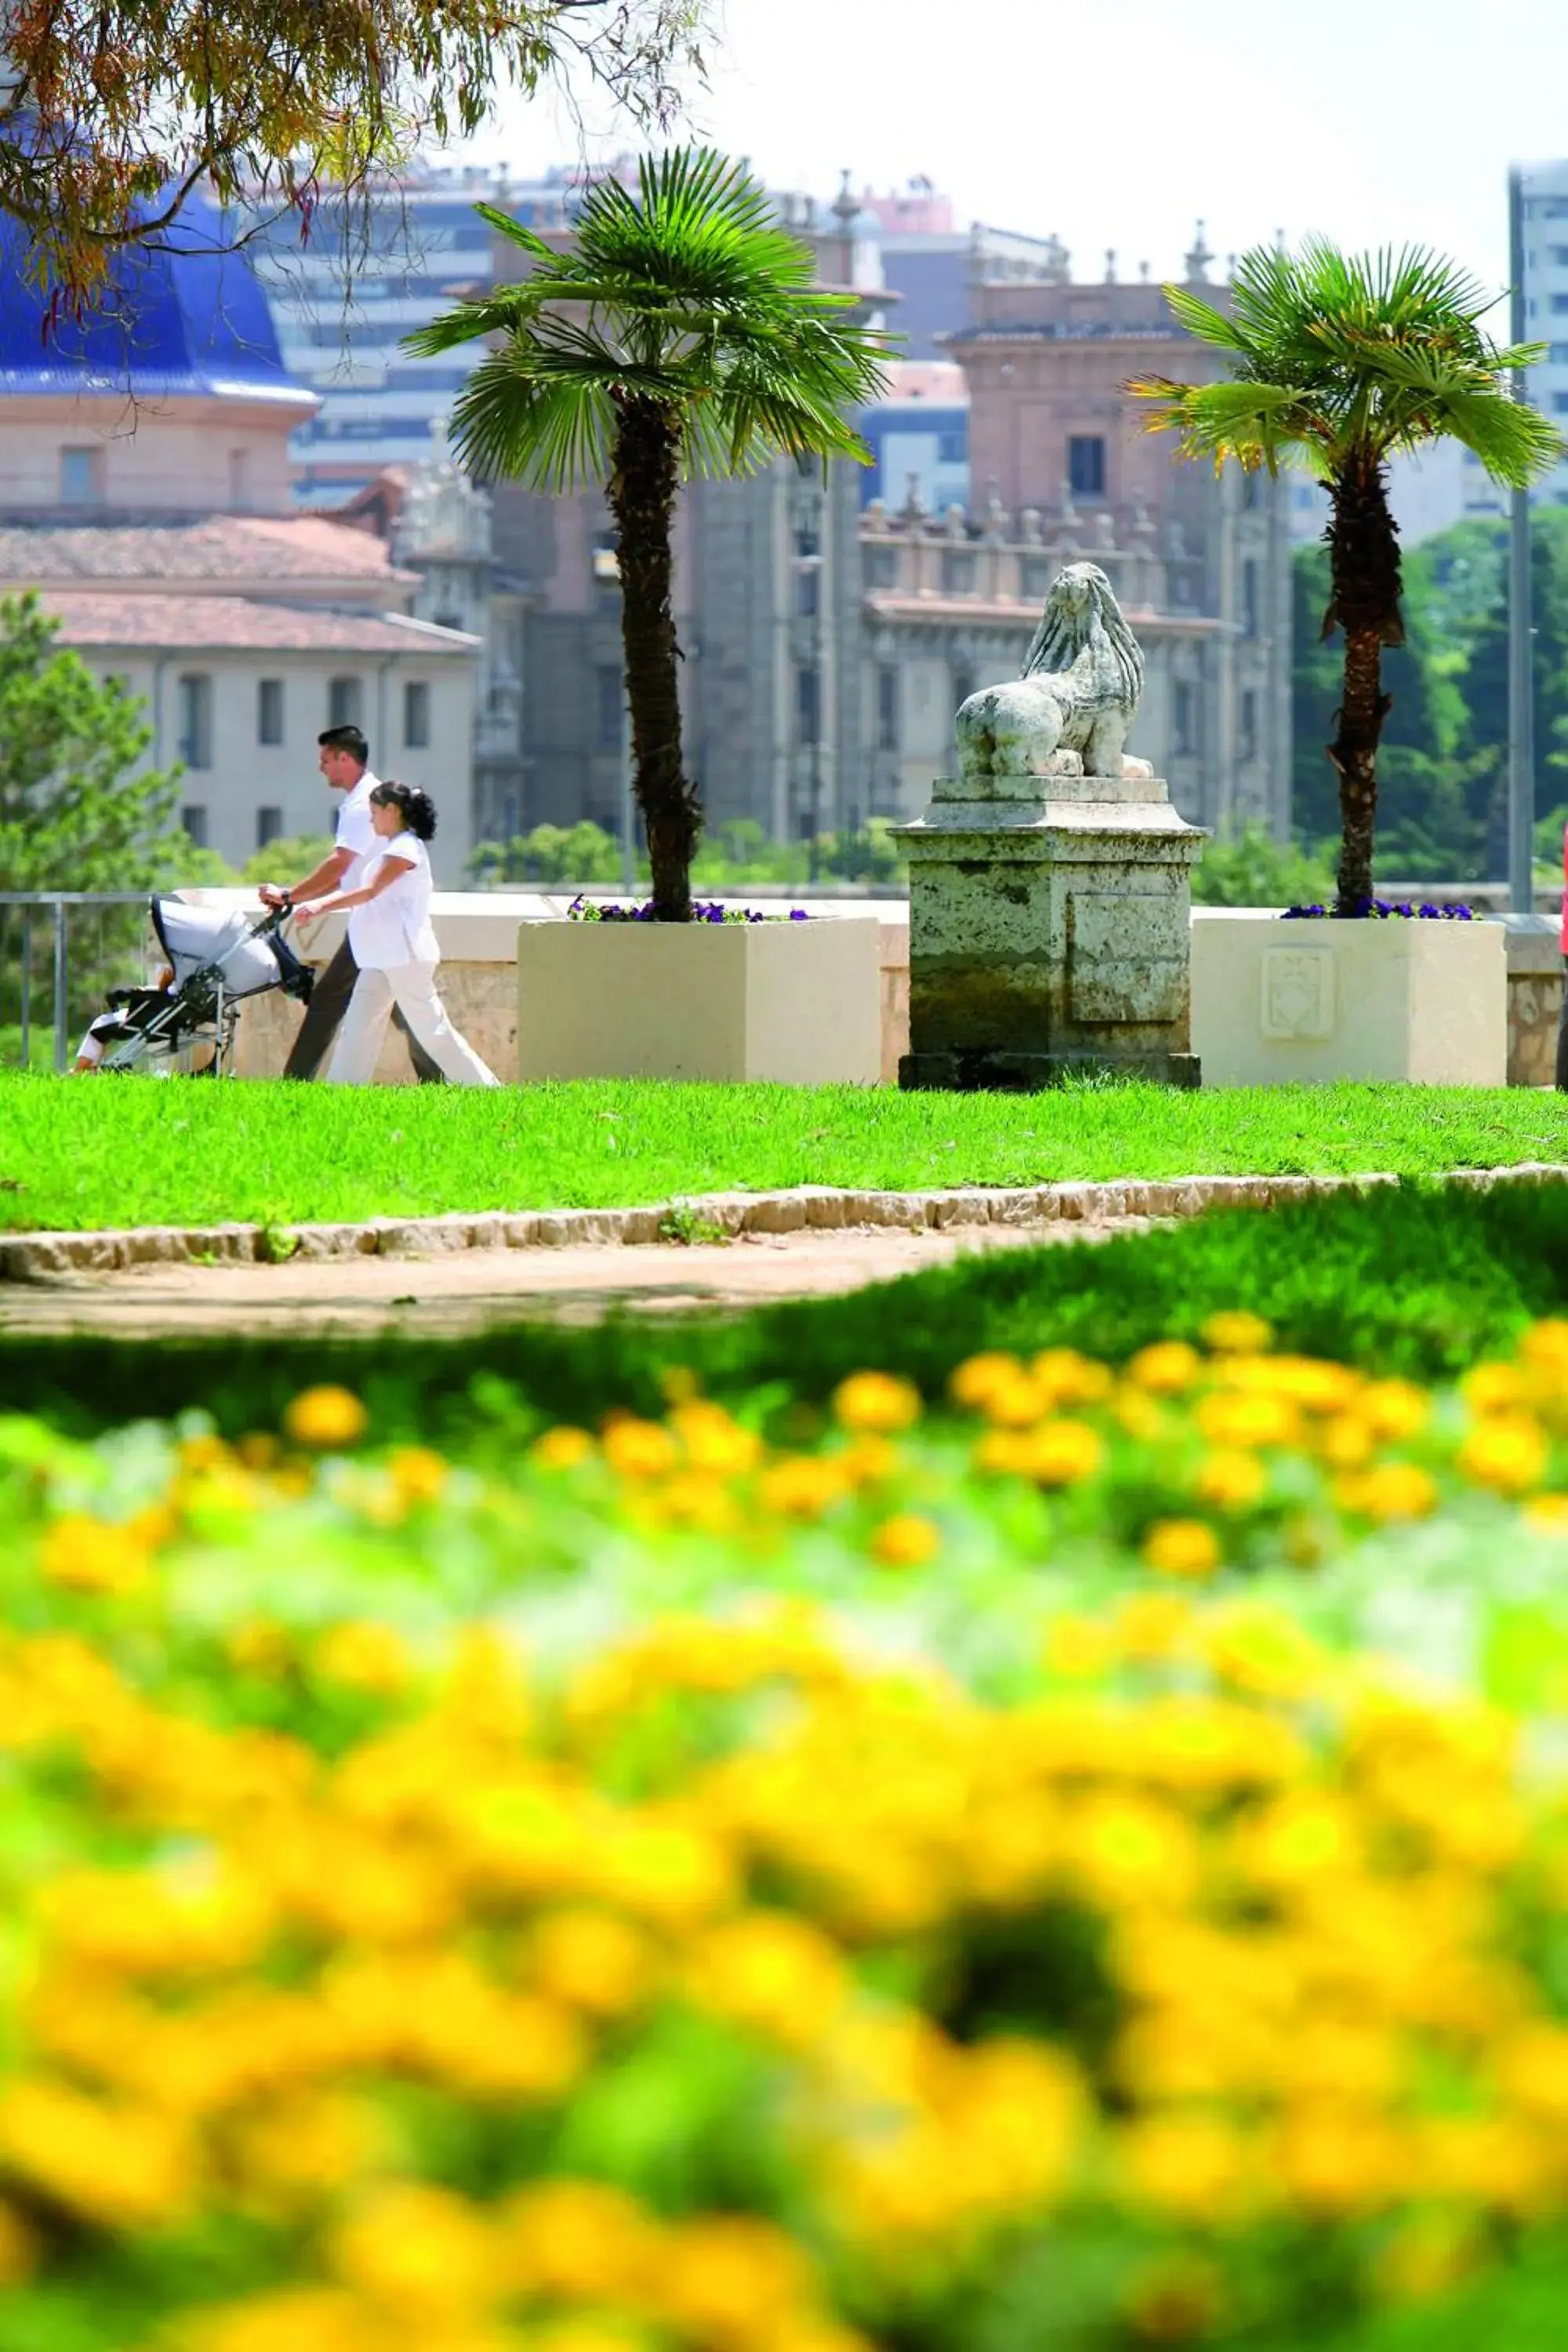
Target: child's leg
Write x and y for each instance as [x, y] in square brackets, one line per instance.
[358, 1047]
[414, 985]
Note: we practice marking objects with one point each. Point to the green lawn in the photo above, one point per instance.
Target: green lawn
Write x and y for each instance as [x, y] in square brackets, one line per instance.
[1420, 1282]
[85, 1152]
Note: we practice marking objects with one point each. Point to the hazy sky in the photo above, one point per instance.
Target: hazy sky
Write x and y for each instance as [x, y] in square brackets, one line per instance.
[1120, 123]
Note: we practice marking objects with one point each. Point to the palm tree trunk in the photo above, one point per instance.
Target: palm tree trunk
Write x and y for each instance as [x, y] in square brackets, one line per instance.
[642, 498]
[1363, 561]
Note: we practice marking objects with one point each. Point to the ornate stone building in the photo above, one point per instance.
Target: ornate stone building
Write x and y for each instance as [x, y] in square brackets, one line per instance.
[1200, 563]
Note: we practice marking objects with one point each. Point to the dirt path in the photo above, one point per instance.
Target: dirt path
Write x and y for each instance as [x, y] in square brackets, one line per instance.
[466, 1290]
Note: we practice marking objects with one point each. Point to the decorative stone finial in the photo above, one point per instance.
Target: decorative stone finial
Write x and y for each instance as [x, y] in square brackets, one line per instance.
[1199, 259]
[1105, 528]
[1143, 272]
[955, 522]
[1029, 524]
[1110, 265]
[844, 209]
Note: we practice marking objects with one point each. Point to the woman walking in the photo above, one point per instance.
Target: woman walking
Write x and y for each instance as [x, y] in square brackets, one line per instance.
[393, 946]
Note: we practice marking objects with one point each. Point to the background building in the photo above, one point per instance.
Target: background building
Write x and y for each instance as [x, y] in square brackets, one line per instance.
[1200, 563]
[375, 268]
[1544, 191]
[917, 434]
[144, 494]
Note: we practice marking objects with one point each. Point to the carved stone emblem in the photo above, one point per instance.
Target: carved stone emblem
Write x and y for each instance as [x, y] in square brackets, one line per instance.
[1298, 993]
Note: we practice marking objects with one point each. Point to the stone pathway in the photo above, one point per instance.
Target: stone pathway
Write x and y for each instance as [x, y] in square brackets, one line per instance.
[469, 1290]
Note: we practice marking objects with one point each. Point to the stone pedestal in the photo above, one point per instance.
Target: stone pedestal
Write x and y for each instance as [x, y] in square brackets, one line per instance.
[1049, 929]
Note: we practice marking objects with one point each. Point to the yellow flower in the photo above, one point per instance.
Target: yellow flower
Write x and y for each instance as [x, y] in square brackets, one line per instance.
[1181, 1547]
[1192, 2165]
[877, 1400]
[1139, 1414]
[726, 2280]
[258, 1450]
[713, 1440]
[113, 2163]
[420, 2251]
[419, 1475]
[326, 1418]
[579, 2240]
[1549, 1513]
[1395, 1409]
[1165, 1368]
[1081, 1645]
[906, 1540]
[1494, 1388]
[93, 1556]
[364, 1655]
[1231, 1480]
[1059, 1453]
[978, 1378]
[1347, 1441]
[1394, 1490]
[803, 1485]
[1260, 1649]
[561, 1449]
[1001, 1452]
[640, 1449]
[1227, 1418]
[1235, 1332]
[1063, 1377]
[773, 1972]
[869, 1461]
[592, 1960]
[205, 1452]
[295, 2319]
[1155, 1625]
[1509, 1452]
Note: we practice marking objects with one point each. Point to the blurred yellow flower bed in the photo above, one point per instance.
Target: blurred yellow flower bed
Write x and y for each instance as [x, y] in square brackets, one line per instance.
[1083, 1868]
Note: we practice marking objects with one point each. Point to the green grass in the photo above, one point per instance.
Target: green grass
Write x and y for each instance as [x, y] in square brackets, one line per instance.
[87, 1152]
[1419, 1282]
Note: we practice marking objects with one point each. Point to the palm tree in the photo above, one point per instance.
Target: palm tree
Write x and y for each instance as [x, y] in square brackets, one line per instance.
[1340, 361]
[684, 333]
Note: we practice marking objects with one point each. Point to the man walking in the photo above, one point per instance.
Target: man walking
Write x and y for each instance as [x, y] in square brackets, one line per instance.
[345, 764]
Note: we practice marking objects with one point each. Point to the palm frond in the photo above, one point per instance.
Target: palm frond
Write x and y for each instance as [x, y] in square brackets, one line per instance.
[550, 433]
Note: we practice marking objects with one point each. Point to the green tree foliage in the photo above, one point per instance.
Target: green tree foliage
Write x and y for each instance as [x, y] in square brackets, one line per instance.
[289, 857]
[112, 111]
[684, 333]
[1253, 869]
[555, 856]
[78, 810]
[1338, 363]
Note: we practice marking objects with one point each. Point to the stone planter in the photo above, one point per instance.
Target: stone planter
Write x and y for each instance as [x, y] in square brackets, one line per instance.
[799, 1003]
[1276, 1002]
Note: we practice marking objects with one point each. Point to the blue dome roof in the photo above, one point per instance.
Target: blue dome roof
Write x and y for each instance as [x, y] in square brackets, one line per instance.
[193, 319]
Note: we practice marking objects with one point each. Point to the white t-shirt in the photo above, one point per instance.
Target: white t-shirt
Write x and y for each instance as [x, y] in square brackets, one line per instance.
[396, 928]
[356, 832]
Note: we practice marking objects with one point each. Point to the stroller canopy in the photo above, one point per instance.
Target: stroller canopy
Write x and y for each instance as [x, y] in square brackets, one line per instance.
[196, 938]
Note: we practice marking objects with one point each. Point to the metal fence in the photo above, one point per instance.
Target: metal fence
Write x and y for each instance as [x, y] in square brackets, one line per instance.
[61, 949]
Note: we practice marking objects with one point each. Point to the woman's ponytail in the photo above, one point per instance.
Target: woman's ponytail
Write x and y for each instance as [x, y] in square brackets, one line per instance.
[416, 807]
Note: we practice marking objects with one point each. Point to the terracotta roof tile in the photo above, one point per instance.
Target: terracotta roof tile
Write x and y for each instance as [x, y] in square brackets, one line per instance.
[246, 548]
[225, 624]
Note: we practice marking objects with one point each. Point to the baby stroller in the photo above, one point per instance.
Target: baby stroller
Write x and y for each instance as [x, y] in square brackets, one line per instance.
[218, 957]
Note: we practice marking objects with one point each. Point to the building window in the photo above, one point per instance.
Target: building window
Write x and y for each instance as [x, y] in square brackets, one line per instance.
[1559, 306]
[807, 703]
[808, 589]
[951, 447]
[808, 467]
[1086, 465]
[343, 702]
[415, 716]
[610, 724]
[509, 811]
[1182, 732]
[1249, 729]
[194, 821]
[1251, 614]
[1036, 576]
[887, 708]
[957, 571]
[1559, 254]
[268, 827]
[1251, 489]
[269, 710]
[1560, 403]
[81, 477]
[881, 567]
[195, 720]
[1557, 354]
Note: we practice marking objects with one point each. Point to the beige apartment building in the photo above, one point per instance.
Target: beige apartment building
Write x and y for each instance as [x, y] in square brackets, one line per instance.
[1199, 563]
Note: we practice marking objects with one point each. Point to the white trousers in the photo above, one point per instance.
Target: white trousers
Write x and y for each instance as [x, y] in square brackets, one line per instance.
[412, 988]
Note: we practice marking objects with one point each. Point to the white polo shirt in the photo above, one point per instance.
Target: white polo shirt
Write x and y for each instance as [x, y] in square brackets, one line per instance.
[356, 832]
[396, 928]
